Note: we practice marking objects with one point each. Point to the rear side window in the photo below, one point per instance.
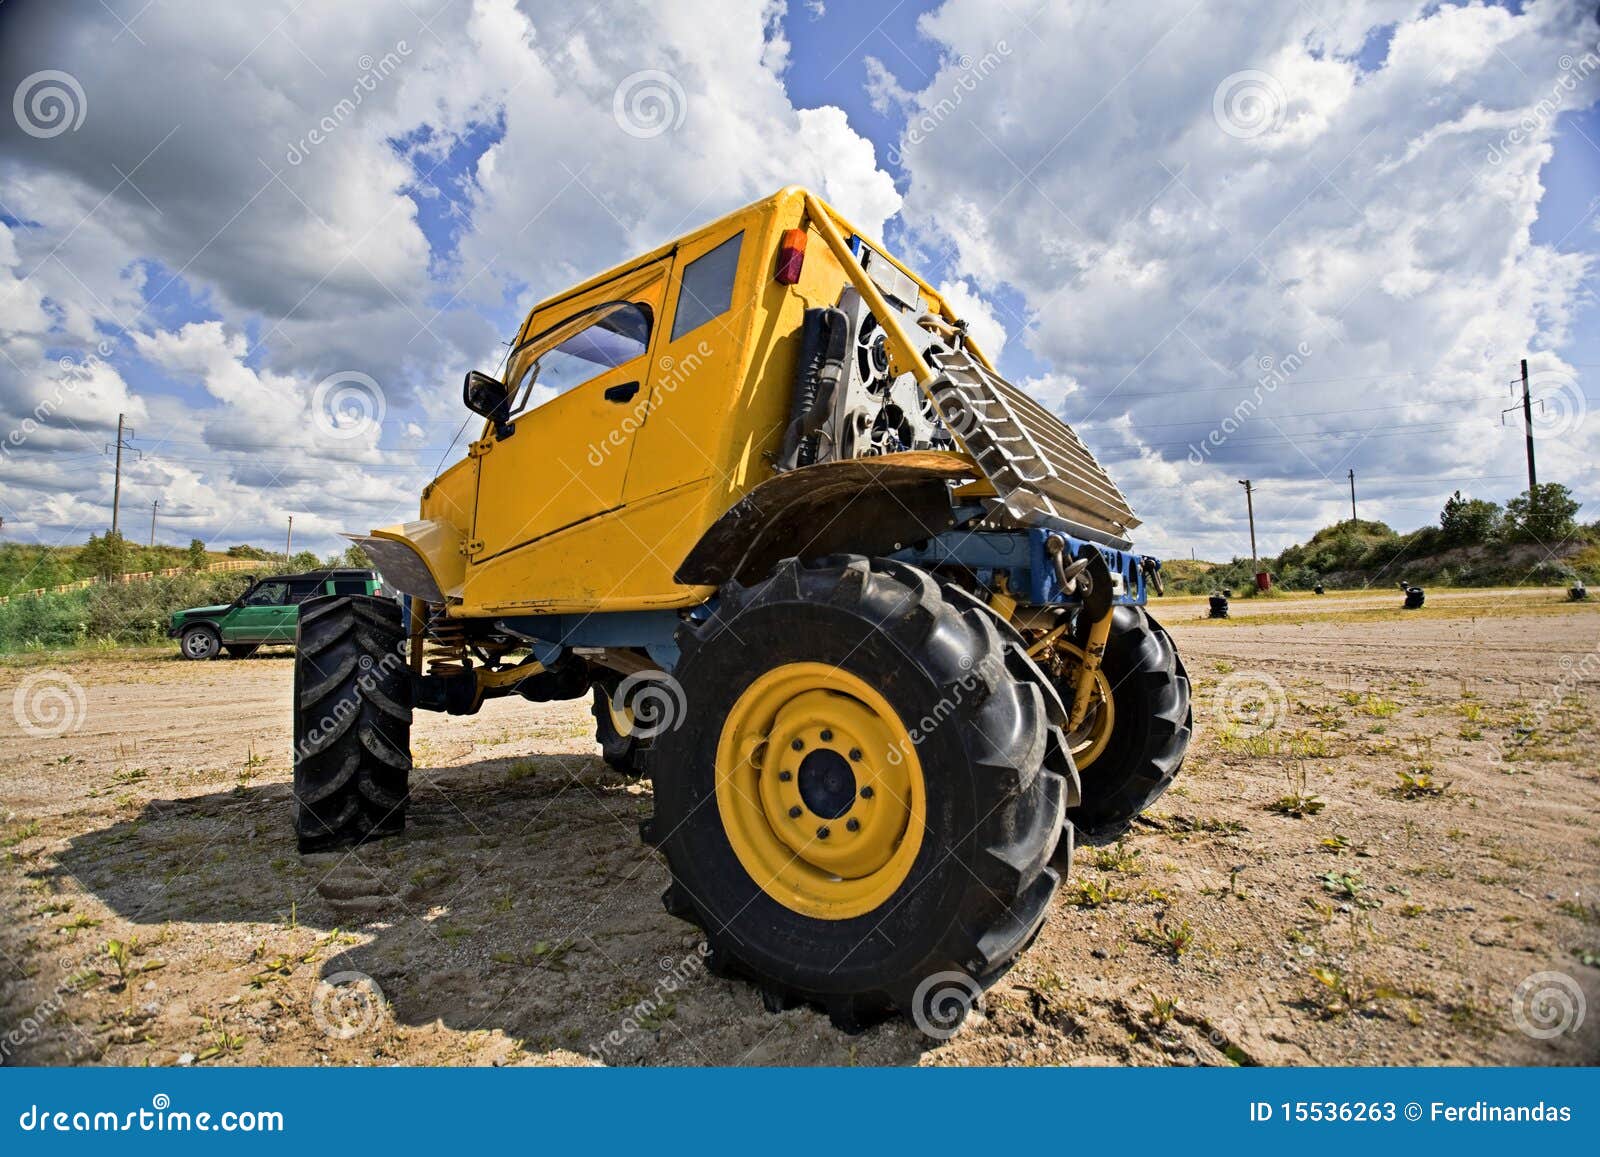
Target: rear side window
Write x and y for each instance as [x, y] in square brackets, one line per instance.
[706, 289]
[349, 586]
[302, 589]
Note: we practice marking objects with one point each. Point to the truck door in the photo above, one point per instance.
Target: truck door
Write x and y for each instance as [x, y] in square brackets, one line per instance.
[576, 399]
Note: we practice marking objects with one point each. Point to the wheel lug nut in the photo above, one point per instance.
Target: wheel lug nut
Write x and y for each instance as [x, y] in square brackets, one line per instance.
[855, 755]
[866, 792]
[794, 813]
[785, 776]
[822, 832]
[827, 736]
[853, 824]
[798, 745]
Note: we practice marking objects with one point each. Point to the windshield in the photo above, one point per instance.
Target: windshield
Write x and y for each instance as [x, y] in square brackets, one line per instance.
[583, 348]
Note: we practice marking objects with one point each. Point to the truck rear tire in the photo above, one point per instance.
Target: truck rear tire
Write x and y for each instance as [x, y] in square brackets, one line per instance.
[862, 793]
[613, 731]
[1151, 723]
[352, 722]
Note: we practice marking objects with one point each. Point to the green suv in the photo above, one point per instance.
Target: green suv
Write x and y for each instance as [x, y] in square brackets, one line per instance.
[267, 612]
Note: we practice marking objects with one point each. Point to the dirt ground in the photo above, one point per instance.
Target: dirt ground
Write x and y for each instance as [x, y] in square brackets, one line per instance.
[1383, 849]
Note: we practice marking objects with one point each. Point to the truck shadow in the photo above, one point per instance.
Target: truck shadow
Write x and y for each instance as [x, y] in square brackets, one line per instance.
[520, 898]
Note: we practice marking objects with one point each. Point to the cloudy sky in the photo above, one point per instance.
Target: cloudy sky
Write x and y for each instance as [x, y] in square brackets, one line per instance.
[1224, 240]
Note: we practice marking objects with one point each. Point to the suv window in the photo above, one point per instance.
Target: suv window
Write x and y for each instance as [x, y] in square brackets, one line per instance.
[620, 333]
[302, 589]
[706, 289]
[349, 586]
[267, 595]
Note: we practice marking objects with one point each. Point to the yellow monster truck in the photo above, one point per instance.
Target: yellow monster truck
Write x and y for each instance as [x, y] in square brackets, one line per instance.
[865, 614]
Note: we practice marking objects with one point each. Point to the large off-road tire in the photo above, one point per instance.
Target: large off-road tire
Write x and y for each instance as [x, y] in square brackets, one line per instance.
[200, 642]
[914, 710]
[352, 722]
[1151, 722]
[613, 730]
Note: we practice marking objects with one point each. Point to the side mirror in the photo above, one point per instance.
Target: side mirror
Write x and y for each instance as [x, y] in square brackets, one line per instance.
[489, 398]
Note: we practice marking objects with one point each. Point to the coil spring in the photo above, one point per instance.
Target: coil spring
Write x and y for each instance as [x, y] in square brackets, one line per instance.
[445, 643]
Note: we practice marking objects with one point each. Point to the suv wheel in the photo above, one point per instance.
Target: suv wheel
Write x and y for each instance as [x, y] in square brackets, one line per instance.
[200, 642]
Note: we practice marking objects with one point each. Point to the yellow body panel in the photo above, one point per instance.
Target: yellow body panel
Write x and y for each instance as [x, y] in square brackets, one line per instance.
[591, 505]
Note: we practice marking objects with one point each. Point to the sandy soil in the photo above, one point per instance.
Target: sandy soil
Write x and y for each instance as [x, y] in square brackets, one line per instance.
[518, 921]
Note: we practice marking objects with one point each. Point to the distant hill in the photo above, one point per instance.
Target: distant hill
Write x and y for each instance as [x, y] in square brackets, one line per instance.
[1354, 554]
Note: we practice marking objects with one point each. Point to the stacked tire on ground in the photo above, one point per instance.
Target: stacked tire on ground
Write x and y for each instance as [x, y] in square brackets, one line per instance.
[352, 705]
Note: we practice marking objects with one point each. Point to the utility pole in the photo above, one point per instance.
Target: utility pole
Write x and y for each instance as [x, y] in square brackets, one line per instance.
[153, 506]
[123, 433]
[288, 542]
[1250, 507]
[1527, 426]
[1352, 495]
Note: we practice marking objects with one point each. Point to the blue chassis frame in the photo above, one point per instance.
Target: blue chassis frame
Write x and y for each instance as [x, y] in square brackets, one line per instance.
[1018, 554]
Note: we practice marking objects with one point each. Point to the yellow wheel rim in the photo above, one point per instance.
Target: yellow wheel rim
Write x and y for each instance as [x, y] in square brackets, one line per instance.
[820, 791]
[621, 717]
[1091, 738]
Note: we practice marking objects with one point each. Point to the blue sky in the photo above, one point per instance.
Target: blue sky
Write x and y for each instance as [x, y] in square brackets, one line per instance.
[1142, 209]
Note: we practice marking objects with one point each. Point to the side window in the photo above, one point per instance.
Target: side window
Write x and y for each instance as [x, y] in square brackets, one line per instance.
[267, 595]
[619, 335]
[302, 589]
[349, 586]
[706, 289]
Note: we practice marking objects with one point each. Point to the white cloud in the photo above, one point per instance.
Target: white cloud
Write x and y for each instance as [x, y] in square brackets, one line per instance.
[1165, 238]
[243, 213]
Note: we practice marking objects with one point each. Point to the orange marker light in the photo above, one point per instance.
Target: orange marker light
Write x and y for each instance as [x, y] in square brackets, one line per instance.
[791, 256]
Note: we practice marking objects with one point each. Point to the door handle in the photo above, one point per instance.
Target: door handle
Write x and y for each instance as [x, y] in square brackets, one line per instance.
[621, 392]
